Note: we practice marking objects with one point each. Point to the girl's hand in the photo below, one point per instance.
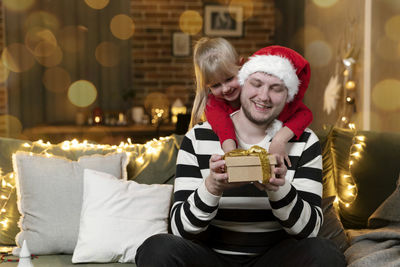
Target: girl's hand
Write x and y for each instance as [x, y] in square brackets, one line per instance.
[279, 147]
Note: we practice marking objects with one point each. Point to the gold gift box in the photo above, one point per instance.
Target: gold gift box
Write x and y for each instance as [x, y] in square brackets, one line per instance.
[254, 164]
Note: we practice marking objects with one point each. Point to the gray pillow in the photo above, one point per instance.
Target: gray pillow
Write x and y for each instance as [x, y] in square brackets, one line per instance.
[50, 197]
[332, 228]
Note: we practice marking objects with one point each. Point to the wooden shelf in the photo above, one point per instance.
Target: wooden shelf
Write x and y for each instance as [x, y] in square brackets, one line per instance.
[139, 133]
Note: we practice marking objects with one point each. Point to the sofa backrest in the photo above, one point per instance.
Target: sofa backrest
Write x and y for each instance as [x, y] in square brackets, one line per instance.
[374, 171]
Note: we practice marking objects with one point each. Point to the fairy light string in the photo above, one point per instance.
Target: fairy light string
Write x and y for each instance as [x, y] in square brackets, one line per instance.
[144, 153]
[346, 187]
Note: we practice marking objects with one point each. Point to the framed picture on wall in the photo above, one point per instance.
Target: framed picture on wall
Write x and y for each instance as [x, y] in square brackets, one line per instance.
[223, 21]
[180, 44]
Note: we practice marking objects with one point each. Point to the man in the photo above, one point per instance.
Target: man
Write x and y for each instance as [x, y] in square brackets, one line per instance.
[216, 223]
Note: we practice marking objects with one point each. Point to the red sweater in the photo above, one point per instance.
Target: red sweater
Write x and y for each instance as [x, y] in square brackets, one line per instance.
[295, 115]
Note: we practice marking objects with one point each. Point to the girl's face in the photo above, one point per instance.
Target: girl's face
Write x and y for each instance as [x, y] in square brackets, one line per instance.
[227, 89]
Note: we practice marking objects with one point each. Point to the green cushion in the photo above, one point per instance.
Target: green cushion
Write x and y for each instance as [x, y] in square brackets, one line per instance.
[156, 168]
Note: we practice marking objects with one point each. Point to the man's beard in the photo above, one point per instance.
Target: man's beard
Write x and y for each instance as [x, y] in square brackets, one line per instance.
[263, 122]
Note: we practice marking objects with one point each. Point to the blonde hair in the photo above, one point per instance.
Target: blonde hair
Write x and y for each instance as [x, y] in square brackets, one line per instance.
[213, 60]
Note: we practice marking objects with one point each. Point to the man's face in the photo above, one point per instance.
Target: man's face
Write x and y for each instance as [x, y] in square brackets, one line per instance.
[263, 97]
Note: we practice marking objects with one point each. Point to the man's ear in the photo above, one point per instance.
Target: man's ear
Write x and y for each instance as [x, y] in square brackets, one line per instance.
[241, 61]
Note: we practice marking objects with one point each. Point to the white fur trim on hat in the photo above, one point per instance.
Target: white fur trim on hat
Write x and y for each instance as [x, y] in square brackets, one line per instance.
[274, 65]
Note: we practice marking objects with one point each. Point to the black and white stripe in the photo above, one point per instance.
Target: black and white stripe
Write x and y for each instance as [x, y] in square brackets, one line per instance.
[245, 220]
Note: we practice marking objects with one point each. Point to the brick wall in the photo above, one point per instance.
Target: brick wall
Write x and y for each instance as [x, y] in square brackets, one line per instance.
[154, 69]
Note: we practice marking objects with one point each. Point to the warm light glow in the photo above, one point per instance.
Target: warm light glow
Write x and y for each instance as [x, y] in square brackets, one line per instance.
[82, 93]
[3, 197]
[324, 3]
[42, 19]
[351, 162]
[14, 125]
[53, 60]
[386, 95]
[347, 205]
[356, 154]
[360, 138]
[346, 73]
[122, 26]
[190, 22]
[4, 72]
[3, 210]
[344, 119]
[247, 6]
[40, 41]
[392, 28]
[17, 58]
[140, 160]
[352, 126]
[18, 5]
[72, 38]
[107, 54]
[319, 53]
[56, 80]
[26, 145]
[97, 4]
[350, 85]
[97, 119]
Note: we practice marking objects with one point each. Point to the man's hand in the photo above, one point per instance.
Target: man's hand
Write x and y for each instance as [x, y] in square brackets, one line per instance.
[279, 180]
[217, 181]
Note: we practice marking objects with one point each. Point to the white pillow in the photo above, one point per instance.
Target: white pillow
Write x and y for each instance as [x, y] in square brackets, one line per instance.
[117, 216]
[50, 197]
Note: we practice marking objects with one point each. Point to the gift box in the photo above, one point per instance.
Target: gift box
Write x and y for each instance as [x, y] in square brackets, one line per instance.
[254, 164]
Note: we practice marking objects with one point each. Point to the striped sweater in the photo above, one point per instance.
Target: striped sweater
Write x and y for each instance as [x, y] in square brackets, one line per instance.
[245, 220]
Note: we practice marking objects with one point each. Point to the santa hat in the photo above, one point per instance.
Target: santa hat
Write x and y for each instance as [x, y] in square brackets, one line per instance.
[282, 62]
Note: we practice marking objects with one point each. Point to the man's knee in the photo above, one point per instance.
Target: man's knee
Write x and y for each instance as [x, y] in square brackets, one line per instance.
[155, 249]
[321, 252]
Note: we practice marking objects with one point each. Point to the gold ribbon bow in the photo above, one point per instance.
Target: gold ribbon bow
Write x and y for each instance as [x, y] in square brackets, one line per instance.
[258, 151]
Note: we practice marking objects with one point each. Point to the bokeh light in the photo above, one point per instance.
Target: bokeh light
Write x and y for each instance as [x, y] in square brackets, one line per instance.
[72, 38]
[388, 49]
[42, 19]
[325, 3]
[53, 60]
[82, 93]
[318, 53]
[18, 5]
[309, 34]
[107, 54]
[40, 41]
[392, 28]
[386, 95]
[13, 125]
[247, 7]
[393, 4]
[190, 22]
[4, 72]
[56, 79]
[97, 4]
[17, 58]
[122, 26]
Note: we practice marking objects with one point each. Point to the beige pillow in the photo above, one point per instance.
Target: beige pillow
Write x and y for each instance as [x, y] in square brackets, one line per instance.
[50, 197]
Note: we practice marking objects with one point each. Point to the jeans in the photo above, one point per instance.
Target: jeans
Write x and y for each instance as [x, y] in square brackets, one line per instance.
[173, 251]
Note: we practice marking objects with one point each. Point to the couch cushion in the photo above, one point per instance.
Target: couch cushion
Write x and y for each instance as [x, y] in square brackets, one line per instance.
[375, 172]
[153, 162]
[64, 261]
[117, 216]
[50, 197]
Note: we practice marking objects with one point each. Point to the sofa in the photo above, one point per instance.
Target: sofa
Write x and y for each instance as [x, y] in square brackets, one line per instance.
[360, 172]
